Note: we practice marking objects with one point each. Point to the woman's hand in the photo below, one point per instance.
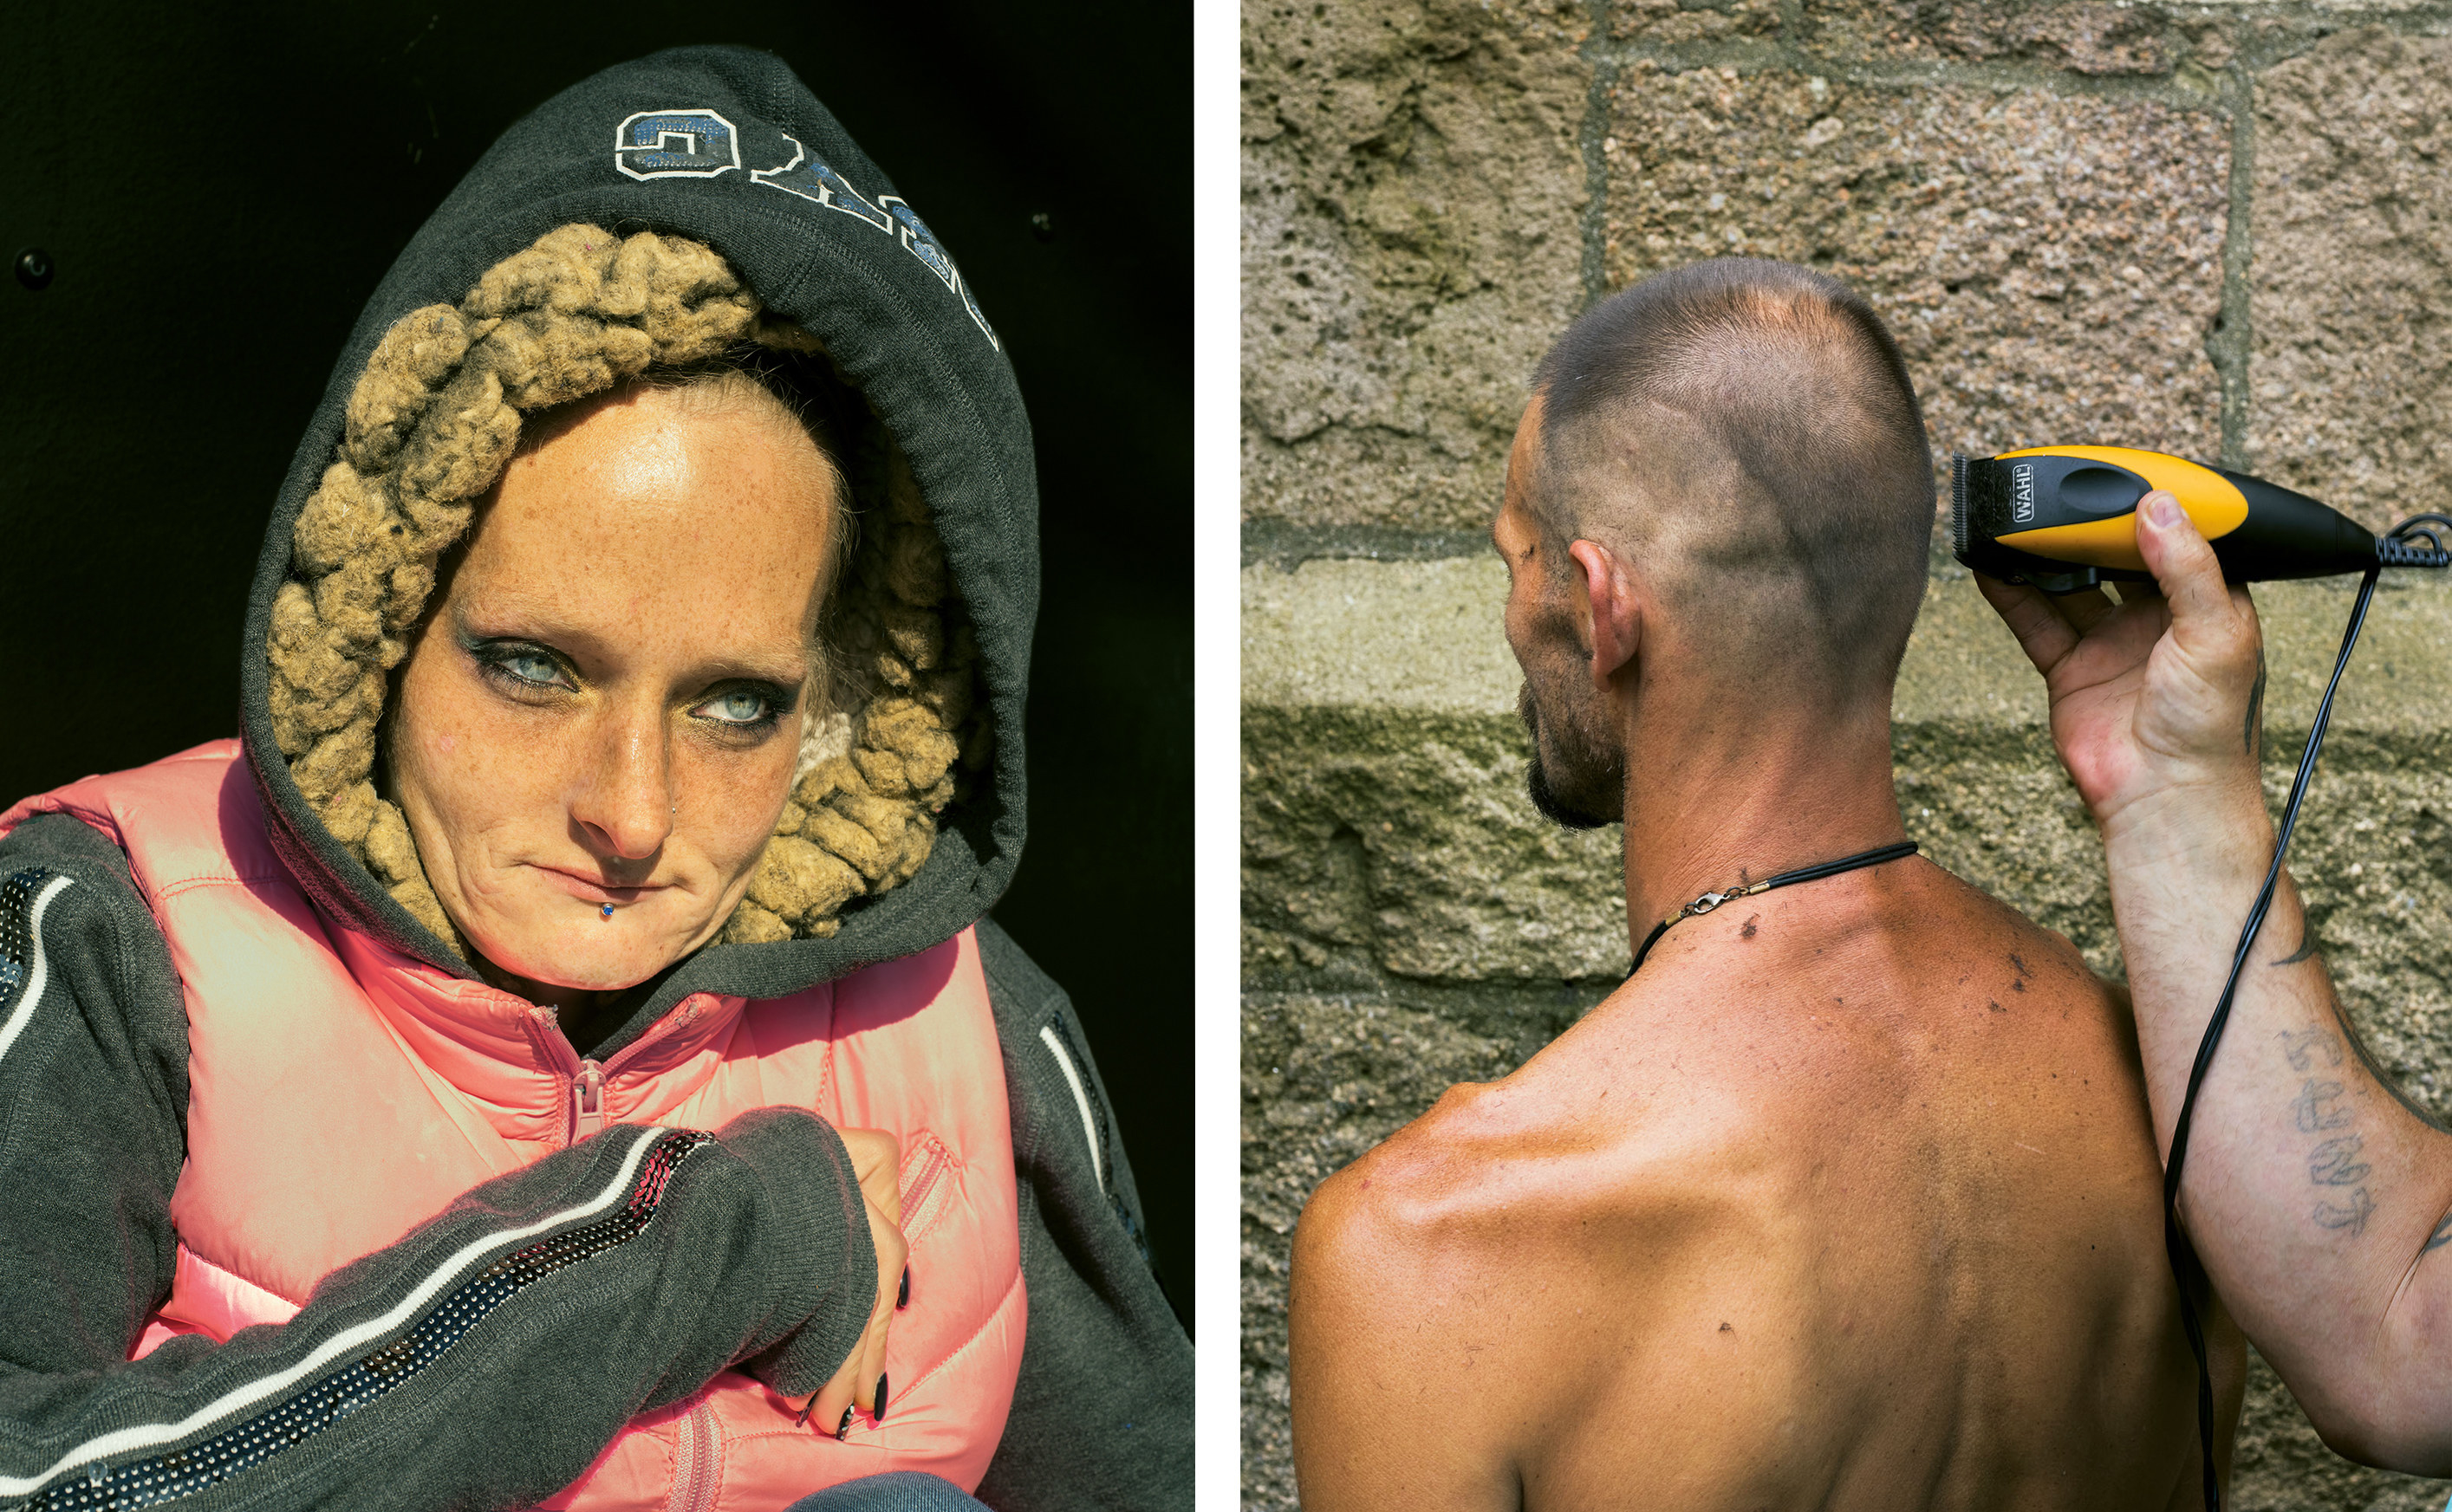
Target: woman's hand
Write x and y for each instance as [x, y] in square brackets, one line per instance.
[2161, 693]
[877, 1159]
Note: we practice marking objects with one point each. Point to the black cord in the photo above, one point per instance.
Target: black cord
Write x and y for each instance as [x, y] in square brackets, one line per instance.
[2186, 1270]
[1803, 873]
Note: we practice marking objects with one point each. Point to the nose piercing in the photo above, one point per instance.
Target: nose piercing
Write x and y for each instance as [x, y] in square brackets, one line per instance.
[608, 910]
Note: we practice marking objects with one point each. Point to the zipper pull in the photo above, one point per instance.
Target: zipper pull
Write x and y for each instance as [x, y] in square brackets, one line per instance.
[586, 1101]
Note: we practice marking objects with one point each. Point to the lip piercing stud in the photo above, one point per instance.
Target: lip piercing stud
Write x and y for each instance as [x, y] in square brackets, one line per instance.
[608, 912]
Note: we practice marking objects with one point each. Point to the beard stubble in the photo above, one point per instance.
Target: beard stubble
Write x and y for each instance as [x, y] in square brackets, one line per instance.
[1572, 779]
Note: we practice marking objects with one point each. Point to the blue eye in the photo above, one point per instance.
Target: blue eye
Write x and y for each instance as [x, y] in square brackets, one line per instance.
[529, 667]
[519, 670]
[735, 708]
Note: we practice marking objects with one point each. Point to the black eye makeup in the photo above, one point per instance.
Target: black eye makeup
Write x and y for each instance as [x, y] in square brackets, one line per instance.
[748, 711]
[740, 711]
[522, 668]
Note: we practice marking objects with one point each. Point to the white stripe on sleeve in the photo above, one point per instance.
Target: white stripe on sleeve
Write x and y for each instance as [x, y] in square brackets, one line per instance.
[1080, 1097]
[38, 969]
[153, 1434]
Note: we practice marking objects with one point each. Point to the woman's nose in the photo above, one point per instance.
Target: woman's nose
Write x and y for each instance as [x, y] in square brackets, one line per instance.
[626, 804]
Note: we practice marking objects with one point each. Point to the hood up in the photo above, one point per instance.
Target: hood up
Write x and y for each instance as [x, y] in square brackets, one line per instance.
[662, 212]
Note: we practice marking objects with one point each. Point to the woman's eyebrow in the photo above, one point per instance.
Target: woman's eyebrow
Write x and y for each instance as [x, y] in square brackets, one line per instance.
[756, 669]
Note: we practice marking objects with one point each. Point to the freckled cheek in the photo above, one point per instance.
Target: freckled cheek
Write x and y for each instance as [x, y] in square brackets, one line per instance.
[478, 763]
[728, 808]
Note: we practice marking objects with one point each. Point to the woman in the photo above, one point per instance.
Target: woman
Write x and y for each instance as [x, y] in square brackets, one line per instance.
[566, 1022]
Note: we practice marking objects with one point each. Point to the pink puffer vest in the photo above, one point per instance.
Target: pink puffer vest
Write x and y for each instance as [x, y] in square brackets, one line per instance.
[340, 1093]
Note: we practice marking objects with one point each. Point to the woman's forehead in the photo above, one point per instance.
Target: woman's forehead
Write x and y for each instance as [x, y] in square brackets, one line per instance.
[644, 504]
[646, 464]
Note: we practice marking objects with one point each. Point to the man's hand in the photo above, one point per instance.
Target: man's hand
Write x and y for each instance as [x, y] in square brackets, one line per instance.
[2319, 1198]
[877, 1159]
[2158, 694]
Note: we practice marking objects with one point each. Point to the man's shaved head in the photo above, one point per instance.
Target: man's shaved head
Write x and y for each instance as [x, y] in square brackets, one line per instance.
[1744, 432]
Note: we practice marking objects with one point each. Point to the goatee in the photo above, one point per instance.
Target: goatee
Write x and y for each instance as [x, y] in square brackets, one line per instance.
[1576, 803]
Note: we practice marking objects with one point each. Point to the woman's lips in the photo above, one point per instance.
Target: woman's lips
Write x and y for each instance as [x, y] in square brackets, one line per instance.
[592, 891]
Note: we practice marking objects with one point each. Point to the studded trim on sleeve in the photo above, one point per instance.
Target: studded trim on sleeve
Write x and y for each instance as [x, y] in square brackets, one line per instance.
[25, 970]
[208, 1448]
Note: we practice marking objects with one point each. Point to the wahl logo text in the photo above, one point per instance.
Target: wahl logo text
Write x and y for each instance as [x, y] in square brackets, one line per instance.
[2022, 492]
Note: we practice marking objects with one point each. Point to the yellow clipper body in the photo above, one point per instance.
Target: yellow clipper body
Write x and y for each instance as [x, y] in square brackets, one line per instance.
[2064, 519]
[2211, 499]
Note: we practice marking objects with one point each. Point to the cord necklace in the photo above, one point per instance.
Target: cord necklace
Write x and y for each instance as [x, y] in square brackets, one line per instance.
[1803, 873]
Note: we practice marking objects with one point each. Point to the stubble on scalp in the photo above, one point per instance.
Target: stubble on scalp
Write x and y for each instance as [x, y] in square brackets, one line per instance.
[1745, 435]
[1746, 430]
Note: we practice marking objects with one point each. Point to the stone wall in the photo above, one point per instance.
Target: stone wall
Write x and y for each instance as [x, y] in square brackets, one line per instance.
[2217, 229]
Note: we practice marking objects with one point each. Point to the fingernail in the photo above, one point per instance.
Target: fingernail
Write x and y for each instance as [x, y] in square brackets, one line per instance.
[807, 1407]
[842, 1429]
[903, 1298]
[878, 1414]
[2164, 509]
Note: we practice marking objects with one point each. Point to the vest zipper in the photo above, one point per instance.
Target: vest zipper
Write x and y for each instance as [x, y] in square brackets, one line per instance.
[694, 1461]
[586, 1101]
[586, 1077]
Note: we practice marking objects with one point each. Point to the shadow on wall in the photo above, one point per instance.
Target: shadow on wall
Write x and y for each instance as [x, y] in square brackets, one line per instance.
[2052, 210]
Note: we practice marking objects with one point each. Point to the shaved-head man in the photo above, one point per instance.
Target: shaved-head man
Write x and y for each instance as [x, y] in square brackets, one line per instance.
[1847, 1197]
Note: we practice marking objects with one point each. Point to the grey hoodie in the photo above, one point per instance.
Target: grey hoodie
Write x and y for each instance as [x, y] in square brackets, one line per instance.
[756, 1226]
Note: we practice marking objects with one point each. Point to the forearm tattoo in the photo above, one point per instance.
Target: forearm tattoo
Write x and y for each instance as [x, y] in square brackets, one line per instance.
[2326, 1109]
[2252, 729]
[2323, 1108]
[2306, 946]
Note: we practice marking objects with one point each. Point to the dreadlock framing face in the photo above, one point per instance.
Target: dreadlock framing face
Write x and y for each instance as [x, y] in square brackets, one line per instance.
[642, 614]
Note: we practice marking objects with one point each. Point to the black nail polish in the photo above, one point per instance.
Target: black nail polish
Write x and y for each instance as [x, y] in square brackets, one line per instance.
[842, 1429]
[903, 1298]
[878, 1414]
[807, 1407]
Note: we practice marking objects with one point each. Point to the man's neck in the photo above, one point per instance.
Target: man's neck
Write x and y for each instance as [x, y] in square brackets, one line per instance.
[1738, 794]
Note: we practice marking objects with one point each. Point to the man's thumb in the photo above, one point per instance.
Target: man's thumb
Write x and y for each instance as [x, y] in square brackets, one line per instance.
[2180, 559]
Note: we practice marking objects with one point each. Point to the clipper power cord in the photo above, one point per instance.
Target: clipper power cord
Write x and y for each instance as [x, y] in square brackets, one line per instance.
[2064, 519]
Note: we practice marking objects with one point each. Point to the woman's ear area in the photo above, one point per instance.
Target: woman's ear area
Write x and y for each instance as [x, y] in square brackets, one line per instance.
[1608, 603]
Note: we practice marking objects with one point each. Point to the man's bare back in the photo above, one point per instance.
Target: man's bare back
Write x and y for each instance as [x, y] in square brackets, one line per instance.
[1849, 1199]
[1846, 1200]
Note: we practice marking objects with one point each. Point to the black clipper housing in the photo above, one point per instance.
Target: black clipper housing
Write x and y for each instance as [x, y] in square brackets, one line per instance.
[2064, 519]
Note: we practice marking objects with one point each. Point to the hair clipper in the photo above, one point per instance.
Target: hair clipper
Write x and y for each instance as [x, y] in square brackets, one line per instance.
[2064, 519]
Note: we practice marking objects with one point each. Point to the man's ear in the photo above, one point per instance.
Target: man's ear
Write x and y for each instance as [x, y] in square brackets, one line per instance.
[1616, 616]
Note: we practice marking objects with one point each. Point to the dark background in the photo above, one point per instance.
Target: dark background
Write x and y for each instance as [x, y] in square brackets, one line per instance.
[221, 186]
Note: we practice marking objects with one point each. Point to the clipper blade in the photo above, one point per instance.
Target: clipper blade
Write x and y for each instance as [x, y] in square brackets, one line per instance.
[1980, 512]
[1958, 506]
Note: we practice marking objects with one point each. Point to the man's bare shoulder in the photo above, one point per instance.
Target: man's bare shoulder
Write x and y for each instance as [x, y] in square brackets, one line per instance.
[1607, 1129]
[1404, 1319]
[1437, 1186]
[1456, 1290]
[1993, 946]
